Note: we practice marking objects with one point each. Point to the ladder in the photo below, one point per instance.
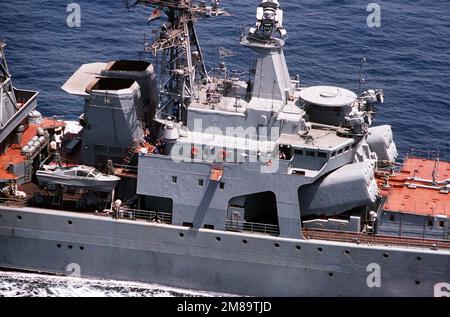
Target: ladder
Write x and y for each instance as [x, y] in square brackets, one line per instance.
[130, 154]
[27, 170]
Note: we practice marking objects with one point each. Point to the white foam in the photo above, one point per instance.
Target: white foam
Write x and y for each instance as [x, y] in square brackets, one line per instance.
[18, 284]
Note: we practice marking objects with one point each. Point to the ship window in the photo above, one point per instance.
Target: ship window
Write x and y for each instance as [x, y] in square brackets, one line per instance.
[211, 227]
[392, 218]
[333, 154]
[441, 223]
[70, 173]
[322, 154]
[298, 152]
[310, 153]
[82, 173]
[188, 224]
[430, 222]
[174, 179]
[222, 185]
[200, 182]
[347, 148]
[340, 151]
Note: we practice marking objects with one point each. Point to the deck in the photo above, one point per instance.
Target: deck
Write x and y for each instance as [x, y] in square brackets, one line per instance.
[413, 190]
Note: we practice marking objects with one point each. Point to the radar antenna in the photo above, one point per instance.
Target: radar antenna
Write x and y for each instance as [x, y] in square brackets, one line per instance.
[181, 55]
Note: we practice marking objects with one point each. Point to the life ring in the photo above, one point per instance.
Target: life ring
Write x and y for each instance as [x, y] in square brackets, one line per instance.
[222, 154]
[194, 151]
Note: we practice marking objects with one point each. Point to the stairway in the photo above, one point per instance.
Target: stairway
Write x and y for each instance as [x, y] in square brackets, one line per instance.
[130, 154]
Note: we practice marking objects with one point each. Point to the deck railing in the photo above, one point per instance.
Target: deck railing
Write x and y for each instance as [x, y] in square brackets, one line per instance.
[136, 214]
[17, 202]
[240, 226]
[360, 238]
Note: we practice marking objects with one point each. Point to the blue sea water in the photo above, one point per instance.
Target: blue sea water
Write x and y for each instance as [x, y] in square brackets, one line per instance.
[408, 56]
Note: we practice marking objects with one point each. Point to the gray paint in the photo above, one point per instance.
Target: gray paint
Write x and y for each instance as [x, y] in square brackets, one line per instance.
[156, 253]
[111, 123]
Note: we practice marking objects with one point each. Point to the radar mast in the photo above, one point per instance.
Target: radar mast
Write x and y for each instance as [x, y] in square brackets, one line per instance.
[177, 44]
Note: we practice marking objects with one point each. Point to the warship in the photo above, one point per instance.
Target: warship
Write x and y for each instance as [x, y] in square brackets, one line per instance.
[249, 185]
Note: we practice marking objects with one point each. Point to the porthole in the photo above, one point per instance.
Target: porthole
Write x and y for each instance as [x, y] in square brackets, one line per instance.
[330, 274]
[298, 247]
[320, 249]
[181, 234]
[386, 255]
[244, 241]
[69, 246]
[347, 252]
[418, 258]
[277, 245]
[69, 222]
[59, 245]
[417, 282]
[218, 238]
[81, 248]
[19, 217]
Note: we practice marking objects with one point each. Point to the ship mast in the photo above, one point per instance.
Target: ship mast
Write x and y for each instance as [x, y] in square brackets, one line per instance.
[182, 58]
[6, 87]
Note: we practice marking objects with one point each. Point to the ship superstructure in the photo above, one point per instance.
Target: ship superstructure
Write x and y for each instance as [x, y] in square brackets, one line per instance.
[226, 179]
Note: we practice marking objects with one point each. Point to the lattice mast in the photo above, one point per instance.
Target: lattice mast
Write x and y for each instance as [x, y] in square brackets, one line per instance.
[181, 53]
[6, 88]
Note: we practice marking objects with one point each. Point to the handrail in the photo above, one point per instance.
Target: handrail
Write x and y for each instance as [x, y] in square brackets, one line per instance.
[20, 202]
[360, 238]
[239, 226]
[134, 214]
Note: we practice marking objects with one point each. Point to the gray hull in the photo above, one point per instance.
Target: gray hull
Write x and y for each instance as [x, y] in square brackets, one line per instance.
[50, 241]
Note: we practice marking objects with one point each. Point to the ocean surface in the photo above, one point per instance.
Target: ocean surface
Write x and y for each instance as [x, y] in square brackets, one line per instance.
[408, 56]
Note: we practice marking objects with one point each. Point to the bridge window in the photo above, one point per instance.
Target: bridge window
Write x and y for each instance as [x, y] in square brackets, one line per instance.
[322, 154]
[333, 154]
[340, 151]
[310, 153]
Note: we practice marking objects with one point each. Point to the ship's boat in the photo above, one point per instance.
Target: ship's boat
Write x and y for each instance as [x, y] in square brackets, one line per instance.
[77, 176]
